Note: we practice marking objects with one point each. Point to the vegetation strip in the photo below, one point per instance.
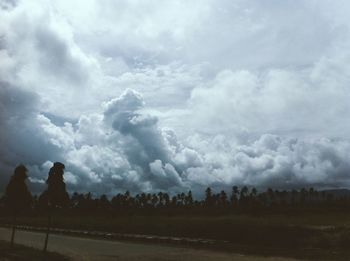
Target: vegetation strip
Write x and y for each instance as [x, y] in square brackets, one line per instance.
[24, 253]
[121, 236]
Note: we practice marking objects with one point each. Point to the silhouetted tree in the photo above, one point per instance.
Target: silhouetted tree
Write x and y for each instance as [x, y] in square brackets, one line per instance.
[166, 199]
[56, 195]
[161, 199]
[271, 196]
[17, 196]
[208, 198]
[173, 202]
[253, 198]
[234, 196]
[243, 199]
[223, 199]
[103, 203]
[154, 200]
[189, 199]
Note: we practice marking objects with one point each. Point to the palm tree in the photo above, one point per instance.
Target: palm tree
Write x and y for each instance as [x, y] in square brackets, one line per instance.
[104, 203]
[173, 202]
[148, 200]
[154, 200]
[189, 199]
[166, 199]
[244, 195]
[208, 197]
[181, 198]
[223, 199]
[161, 199]
[271, 196]
[234, 196]
[143, 200]
[254, 192]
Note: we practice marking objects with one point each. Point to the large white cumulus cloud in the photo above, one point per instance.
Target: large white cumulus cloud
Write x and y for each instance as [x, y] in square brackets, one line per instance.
[121, 148]
[176, 95]
[273, 161]
[279, 101]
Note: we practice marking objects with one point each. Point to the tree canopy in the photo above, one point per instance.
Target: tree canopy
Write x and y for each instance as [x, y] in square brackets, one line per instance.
[17, 195]
[56, 194]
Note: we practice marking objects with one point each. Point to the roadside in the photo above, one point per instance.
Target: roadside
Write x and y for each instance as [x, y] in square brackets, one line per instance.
[218, 246]
[105, 250]
[23, 253]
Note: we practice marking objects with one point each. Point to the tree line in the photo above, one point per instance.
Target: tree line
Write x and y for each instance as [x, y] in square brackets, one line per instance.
[239, 199]
[18, 200]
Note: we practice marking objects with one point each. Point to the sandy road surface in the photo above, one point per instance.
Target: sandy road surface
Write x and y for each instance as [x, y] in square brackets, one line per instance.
[101, 250]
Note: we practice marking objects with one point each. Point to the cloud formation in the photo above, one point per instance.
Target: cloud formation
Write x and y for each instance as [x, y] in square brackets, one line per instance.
[176, 95]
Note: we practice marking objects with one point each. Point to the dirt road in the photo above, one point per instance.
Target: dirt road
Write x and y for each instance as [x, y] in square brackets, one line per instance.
[104, 250]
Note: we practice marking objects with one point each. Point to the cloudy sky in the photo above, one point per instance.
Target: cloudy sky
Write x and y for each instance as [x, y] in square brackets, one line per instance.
[176, 95]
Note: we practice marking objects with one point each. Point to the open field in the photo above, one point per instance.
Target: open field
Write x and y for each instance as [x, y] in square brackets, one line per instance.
[103, 250]
[307, 236]
[22, 253]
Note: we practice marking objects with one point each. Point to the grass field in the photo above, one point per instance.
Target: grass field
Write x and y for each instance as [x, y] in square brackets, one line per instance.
[298, 235]
[22, 253]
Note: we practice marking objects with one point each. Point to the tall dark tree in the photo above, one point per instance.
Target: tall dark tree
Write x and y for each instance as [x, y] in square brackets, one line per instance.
[189, 199]
[56, 188]
[243, 199]
[271, 196]
[234, 196]
[17, 196]
[208, 201]
[103, 203]
[56, 195]
[223, 199]
[166, 199]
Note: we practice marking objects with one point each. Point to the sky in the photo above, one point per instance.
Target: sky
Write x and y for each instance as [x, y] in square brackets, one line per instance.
[176, 95]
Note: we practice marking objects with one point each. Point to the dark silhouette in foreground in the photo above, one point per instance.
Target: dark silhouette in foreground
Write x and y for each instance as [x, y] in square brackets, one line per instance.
[17, 198]
[224, 214]
[55, 196]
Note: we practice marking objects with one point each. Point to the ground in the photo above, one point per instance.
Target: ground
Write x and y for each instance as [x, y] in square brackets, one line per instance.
[102, 250]
[22, 253]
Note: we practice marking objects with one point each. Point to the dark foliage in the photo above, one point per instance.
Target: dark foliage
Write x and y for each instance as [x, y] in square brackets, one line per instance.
[17, 196]
[240, 200]
[56, 194]
[245, 199]
[182, 215]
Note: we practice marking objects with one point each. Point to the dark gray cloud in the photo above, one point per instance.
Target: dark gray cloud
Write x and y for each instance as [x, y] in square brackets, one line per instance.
[21, 136]
[144, 143]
